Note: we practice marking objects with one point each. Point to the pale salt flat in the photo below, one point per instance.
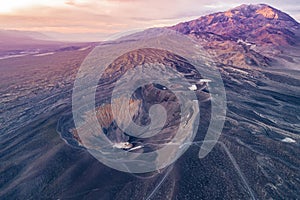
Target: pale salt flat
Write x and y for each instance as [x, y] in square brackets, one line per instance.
[288, 140]
[44, 54]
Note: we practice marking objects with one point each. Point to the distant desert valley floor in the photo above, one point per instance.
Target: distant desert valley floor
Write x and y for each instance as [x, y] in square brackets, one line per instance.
[257, 51]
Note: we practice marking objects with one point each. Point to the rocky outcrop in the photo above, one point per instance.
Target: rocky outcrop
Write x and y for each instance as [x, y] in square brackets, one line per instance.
[245, 36]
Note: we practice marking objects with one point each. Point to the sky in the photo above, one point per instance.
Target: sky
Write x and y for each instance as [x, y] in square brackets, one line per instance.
[99, 19]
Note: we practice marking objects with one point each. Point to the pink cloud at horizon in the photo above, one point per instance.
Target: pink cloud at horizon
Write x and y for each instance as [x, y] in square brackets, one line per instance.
[112, 16]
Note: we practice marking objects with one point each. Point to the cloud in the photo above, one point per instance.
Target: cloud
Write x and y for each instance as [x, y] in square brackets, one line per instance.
[112, 16]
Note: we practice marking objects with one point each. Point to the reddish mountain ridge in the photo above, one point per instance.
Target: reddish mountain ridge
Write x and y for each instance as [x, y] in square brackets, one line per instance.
[244, 36]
